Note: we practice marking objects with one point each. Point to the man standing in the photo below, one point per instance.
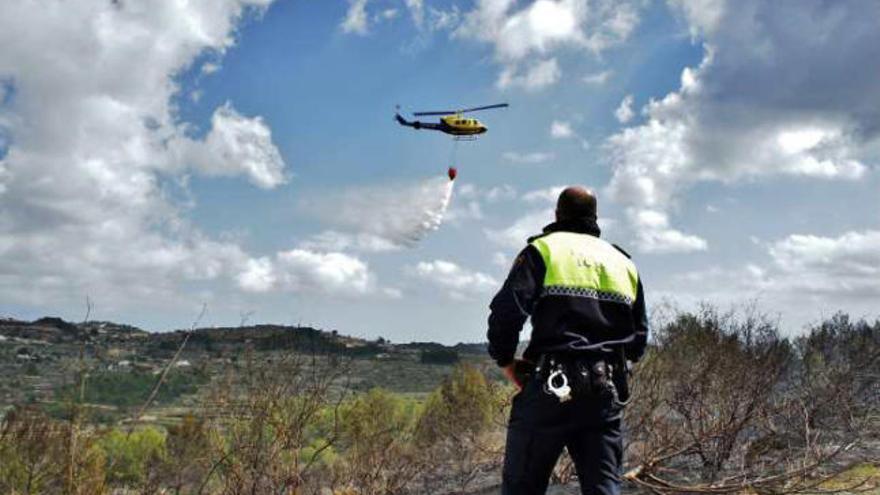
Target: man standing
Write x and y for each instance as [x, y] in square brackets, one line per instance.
[588, 315]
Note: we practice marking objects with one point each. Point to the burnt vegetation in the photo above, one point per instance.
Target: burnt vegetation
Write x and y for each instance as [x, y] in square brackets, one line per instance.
[722, 404]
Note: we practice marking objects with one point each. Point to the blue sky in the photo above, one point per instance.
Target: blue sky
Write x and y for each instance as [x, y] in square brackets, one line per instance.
[243, 155]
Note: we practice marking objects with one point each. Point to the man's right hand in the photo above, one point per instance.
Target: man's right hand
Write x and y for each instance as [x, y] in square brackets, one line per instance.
[510, 373]
[513, 375]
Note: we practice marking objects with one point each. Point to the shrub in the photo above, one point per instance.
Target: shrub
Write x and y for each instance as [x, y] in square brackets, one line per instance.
[130, 456]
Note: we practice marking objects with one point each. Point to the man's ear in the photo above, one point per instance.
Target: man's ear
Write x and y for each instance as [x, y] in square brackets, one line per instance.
[556, 212]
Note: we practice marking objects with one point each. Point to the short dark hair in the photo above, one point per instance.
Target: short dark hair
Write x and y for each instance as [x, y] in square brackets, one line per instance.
[576, 202]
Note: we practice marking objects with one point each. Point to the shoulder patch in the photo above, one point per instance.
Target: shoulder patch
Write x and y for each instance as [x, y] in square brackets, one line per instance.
[621, 250]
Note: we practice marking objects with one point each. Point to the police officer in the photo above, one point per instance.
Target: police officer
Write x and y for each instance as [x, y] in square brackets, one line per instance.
[587, 306]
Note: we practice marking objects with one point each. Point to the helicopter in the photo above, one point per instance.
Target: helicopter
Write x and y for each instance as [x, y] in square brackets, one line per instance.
[452, 122]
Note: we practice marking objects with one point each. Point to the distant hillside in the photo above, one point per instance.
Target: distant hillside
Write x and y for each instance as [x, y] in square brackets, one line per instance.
[39, 359]
[56, 330]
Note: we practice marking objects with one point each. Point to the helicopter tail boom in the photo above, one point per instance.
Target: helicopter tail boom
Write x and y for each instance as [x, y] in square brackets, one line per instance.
[415, 124]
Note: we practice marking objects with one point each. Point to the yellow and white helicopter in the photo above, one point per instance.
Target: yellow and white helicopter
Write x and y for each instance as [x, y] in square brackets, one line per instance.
[452, 122]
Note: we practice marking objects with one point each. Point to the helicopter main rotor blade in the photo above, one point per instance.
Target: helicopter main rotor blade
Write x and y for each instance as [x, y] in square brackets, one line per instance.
[443, 112]
[487, 107]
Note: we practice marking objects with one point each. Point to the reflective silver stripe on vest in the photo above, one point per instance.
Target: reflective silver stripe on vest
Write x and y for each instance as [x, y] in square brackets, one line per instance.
[561, 290]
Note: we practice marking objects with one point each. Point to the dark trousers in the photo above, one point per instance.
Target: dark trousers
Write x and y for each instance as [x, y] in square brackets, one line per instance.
[540, 427]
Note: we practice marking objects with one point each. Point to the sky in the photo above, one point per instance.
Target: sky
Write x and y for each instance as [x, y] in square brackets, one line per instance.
[242, 154]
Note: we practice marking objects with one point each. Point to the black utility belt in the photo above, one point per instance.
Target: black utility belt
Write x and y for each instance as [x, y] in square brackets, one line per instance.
[568, 376]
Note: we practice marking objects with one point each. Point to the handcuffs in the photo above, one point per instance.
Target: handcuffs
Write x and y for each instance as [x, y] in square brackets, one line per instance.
[562, 391]
[558, 383]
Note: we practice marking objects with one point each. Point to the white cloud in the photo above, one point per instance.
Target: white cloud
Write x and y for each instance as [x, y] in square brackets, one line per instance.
[503, 192]
[654, 235]
[417, 11]
[258, 275]
[336, 273]
[439, 20]
[538, 76]
[534, 157]
[236, 145]
[841, 267]
[84, 208]
[547, 195]
[303, 270]
[547, 24]
[521, 34]
[754, 107]
[210, 67]
[359, 20]
[805, 277]
[499, 193]
[515, 235]
[458, 281]
[561, 130]
[388, 14]
[460, 211]
[333, 240]
[624, 112]
[703, 16]
[356, 18]
[598, 78]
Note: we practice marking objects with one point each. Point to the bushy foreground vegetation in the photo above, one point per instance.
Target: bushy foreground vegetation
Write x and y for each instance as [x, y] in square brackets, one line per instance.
[722, 404]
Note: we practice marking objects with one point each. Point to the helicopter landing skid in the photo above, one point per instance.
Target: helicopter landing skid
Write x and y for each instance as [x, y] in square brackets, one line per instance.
[465, 138]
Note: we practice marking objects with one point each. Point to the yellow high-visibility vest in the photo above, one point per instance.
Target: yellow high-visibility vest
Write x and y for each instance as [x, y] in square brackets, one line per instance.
[581, 265]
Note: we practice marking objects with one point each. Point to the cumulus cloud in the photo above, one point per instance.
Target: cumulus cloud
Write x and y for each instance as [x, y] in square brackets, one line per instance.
[459, 282]
[493, 194]
[804, 277]
[515, 235]
[561, 130]
[656, 236]
[703, 16]
[356, 18]
[598, 78]
[841, 267]
[524, 36]
[334, 240]
[624, 112]
[93, 137]
[533, 157]
[236, 145]
[755, 106]
[382, 218]
[546, 195]
[417, 11]
[302, 270]
[538, 76]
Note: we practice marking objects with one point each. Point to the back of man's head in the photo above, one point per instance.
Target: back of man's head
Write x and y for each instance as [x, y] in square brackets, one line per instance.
[576, 203]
